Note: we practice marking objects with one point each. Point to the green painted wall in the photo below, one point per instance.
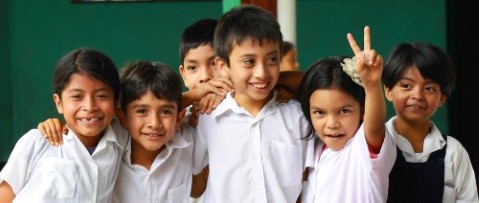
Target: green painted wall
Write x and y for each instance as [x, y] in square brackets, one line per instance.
[35, 34]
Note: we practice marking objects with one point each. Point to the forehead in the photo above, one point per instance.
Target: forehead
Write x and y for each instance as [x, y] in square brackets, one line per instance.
[332, 98]
[250, 45]
[202, 51]
[149, 99]
[84, 81]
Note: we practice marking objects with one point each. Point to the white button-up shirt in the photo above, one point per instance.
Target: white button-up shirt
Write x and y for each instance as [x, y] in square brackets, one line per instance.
[253, 159]
[40, 172]
[350, 174]
[169, 178]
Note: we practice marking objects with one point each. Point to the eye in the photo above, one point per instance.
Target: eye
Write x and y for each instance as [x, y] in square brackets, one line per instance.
[405, 85]
[317, 113]
[167, 112]
[102, 96]
[141, 111]
[345, 111]
[212, 64]
[430, 89]
[76, 96]
[191, 68]
[249, 62]
[273, 60]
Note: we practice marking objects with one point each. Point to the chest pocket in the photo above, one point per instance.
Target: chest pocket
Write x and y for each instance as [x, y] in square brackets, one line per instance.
[59, 177]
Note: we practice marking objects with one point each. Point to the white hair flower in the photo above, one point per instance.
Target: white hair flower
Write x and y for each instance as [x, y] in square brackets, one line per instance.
[348, 66]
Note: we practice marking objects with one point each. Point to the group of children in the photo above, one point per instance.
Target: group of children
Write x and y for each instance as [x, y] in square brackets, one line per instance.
[330, 144]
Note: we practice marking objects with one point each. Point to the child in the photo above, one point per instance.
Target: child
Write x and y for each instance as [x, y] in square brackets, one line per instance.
[251, 143]
[288, 57]
[157, 166]
[353, 156]
[430, 166]
[197, 63]
[85, 167]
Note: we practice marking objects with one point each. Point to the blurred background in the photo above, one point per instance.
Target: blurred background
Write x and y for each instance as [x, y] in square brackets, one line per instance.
[34, 35]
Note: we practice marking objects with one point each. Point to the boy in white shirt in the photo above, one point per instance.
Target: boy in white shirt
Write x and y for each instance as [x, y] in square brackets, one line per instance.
[251, 143]
[85, 167]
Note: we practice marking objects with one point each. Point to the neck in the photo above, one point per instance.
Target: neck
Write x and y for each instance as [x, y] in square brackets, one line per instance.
[415, 133]
[142, 156]
[252, 106]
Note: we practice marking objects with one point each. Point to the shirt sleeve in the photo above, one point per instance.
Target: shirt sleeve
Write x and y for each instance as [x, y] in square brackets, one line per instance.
[465, 185]
[23, 159]
[200, 152]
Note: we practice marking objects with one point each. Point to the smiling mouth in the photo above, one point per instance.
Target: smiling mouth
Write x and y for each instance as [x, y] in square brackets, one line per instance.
[152, 134]
[260, 86]
[89, 120]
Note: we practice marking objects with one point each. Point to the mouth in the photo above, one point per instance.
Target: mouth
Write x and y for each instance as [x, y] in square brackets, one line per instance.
[260, 85]
[416, 107]
[335, 135]
[152, 134]
[89, 121]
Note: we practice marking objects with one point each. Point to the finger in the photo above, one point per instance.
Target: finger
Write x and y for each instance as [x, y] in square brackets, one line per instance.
[378, 61]
[51, 131]
[372, 56]
[58, 131]
[366, 39]
[211, 103]
[353, 44]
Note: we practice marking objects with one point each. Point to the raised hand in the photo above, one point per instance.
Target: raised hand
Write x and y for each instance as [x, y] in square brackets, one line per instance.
[369, 64]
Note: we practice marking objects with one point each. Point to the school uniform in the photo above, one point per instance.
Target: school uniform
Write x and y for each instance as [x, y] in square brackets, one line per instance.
[352, 174]
[253, 159]
[441, 173]
[169, 178]
[40, 172]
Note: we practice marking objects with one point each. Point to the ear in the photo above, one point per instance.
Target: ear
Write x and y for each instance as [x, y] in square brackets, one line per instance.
[122, 117]
[58, 103]
[388, 93]
[181, 70]
[222, 67]
[443, 99]
[180, 117]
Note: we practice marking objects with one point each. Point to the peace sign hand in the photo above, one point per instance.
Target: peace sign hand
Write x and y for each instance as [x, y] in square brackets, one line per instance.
[369, 65]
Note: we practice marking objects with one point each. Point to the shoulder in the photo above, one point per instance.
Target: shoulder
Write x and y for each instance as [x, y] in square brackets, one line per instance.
[455, 148]
[291, 107]
[31, 140]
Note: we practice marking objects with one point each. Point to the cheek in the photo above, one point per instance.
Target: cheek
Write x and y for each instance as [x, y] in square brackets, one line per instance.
[317, 124]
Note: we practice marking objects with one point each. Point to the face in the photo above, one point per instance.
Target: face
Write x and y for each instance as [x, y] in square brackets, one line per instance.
[198, 66]
[151, 122]
[289, 61]
[254, 70]
[335, 115]
[414, 98]
[87, 105]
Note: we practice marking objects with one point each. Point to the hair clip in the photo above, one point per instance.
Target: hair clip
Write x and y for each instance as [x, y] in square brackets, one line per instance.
[348, 67]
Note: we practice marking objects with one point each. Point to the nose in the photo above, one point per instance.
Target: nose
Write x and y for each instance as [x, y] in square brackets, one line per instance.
[260, 71]
[154, 121]
[205, 75]
[332, 122]
[89, 104]
[418, 93]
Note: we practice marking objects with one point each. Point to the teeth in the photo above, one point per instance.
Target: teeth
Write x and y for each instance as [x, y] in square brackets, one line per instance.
[89, 120]
[260, 85]
[153, 134]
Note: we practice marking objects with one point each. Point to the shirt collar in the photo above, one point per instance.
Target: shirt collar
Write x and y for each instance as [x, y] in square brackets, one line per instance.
[229, 103]
[181, 139]
[432, 142]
